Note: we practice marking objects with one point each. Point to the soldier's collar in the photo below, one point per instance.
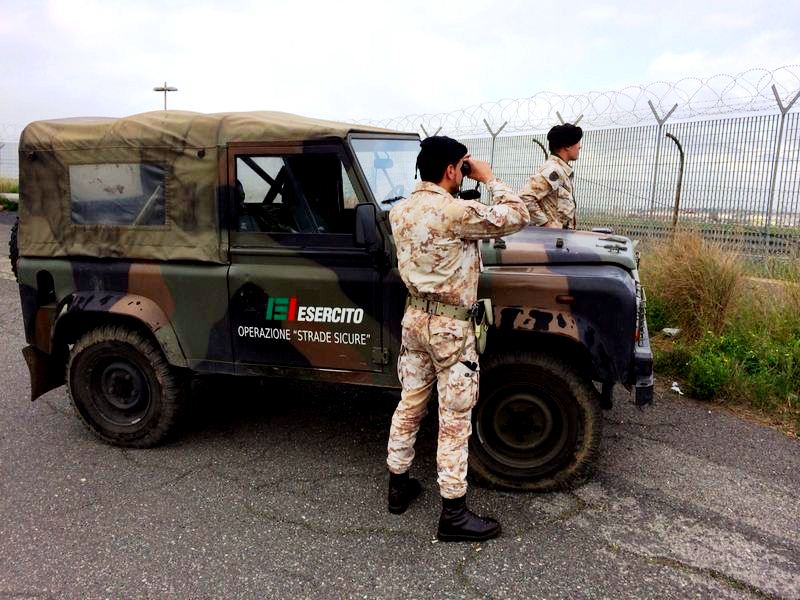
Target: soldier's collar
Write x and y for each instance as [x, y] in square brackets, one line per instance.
[427, 186]
[562, 163]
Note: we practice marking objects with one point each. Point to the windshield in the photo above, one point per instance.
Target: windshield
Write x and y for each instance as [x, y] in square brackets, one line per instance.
[388, 166]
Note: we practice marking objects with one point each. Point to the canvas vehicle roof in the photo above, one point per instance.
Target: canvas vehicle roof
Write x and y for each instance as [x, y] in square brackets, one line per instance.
[182, 128]
[181, 148]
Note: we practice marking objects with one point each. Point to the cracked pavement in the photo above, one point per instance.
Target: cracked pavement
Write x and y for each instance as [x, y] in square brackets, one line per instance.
[278, 490]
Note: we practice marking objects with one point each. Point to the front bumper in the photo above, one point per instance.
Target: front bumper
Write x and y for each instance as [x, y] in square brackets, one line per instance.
[643, 368]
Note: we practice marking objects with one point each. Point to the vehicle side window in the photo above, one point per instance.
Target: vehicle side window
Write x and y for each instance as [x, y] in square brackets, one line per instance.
[295, 193]
[128, 194]
[350, 199]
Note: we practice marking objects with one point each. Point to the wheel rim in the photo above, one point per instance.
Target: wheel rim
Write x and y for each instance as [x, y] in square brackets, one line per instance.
[524, 428]
[523, 422]
[120, 392]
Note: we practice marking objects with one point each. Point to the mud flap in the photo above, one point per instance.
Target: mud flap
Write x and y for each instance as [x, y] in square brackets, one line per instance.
[46, 373]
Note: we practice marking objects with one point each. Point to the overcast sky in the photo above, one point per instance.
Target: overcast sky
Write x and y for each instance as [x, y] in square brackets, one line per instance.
[359, 60]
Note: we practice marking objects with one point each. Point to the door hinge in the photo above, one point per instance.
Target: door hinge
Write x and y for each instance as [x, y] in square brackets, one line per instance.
[380, 356]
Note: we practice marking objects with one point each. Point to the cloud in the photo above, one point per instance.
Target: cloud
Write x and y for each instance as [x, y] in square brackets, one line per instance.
[769, 49]
[358, 59]
[729, 20]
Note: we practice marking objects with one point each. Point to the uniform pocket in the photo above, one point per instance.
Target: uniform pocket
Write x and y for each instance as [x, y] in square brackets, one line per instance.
[463, 379]
[447, 338]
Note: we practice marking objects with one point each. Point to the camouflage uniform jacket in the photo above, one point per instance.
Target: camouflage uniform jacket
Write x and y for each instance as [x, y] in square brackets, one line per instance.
[437, 239]
[548, 194]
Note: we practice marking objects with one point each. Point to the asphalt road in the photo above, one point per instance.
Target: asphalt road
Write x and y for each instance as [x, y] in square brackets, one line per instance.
[278, 491]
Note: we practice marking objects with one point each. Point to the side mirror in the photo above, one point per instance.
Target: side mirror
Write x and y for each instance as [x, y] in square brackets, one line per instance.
[367, 235]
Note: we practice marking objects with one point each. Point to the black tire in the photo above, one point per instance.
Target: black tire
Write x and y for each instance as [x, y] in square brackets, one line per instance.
[13, 248]
[537, 425]
[123, 388]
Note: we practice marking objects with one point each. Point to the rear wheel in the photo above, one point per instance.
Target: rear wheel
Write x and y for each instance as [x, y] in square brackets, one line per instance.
[537, 425]
[123, 388]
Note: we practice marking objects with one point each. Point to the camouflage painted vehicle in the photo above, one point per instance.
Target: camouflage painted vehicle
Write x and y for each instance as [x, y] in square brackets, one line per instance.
[171, 244]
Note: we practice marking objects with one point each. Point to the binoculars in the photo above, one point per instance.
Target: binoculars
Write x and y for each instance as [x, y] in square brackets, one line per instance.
[468, 194]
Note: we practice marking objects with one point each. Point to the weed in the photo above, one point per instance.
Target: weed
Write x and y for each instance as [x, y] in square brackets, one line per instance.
[658, 316]
[694, 282]
[11, 205]
[741, 340]
[708, 374]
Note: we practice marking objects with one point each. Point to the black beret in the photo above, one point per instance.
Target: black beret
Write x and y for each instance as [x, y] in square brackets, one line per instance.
[443, 148]
[564, 135]
[436, 152]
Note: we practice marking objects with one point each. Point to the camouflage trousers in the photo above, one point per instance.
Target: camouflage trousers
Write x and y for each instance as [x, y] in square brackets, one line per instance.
[441, 350]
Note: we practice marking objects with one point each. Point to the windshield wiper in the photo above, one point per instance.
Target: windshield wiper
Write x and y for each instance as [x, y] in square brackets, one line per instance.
[392, 199]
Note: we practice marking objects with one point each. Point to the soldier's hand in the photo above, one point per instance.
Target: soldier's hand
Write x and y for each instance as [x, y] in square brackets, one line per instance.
[553, 225]
[479, 170]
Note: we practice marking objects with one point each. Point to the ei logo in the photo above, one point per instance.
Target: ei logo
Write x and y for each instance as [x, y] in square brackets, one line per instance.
[281, 309]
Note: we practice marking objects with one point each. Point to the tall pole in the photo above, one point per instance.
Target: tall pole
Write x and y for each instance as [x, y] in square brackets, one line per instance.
[165, 88]
[541, 145]
[677, 206]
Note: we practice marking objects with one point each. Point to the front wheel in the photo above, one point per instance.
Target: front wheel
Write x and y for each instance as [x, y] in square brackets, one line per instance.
[537, 425]
[123, 388]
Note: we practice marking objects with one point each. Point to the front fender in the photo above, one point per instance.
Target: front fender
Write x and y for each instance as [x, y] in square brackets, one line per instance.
[574, 330]
[593, 305]
[136, 306]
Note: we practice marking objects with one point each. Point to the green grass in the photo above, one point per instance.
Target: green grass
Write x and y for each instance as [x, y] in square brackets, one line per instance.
[740, 339]
[9, 205]
[9, 186]
[773, 267]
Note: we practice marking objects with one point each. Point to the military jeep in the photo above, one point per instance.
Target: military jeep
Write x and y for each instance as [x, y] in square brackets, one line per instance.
[168, 245]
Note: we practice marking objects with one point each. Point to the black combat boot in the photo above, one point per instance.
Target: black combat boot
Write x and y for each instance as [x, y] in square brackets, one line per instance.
[402, 490]
[459, 524]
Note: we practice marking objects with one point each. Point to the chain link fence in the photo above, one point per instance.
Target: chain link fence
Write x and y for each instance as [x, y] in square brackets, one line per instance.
[720, 154]
[9, 160]
[9, 150]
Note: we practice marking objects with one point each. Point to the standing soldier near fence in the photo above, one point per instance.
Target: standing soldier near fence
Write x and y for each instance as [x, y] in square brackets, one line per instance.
[439, 260]
[548, 193]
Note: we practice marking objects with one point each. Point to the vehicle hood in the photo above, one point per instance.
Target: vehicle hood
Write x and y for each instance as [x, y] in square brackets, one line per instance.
[543, 246]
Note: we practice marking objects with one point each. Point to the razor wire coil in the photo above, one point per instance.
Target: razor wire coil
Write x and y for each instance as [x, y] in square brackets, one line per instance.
[723, 94]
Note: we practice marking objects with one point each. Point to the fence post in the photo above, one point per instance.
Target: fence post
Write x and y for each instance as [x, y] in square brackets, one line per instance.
[425, 131]
[494, 135]
[661, 121]
[775, 160]
[541, 145]
[560, 118]
[677, 187]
